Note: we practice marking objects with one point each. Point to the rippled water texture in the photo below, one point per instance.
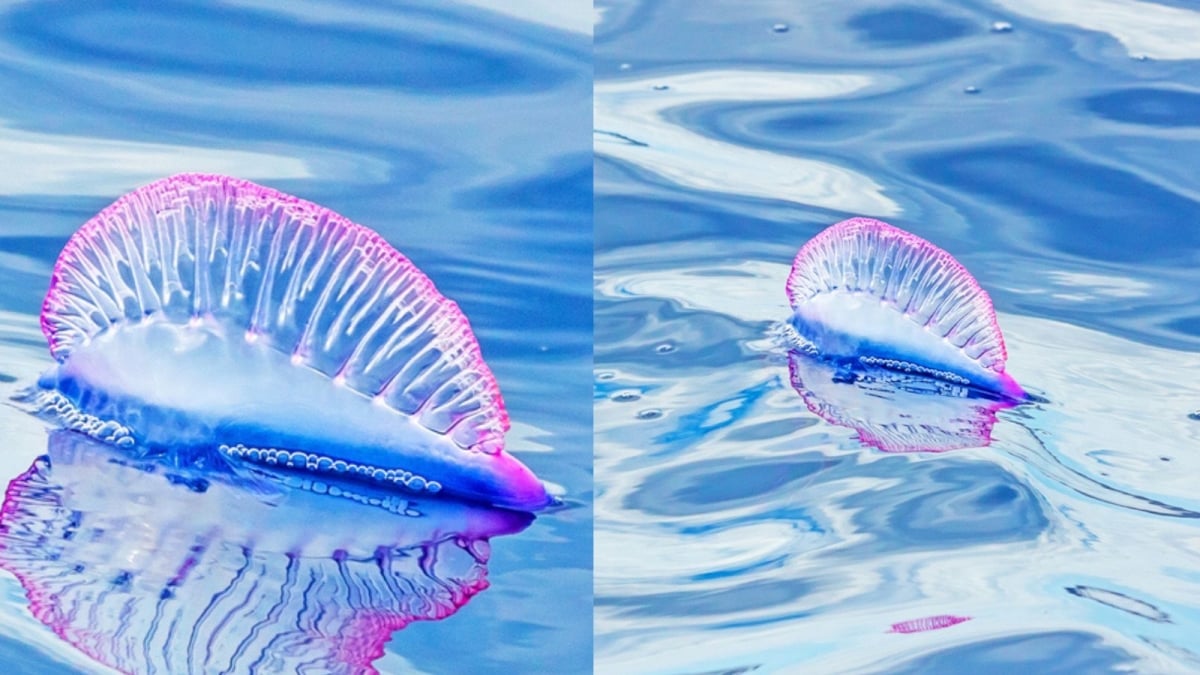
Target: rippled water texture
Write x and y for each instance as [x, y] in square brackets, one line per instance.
[460, 135]
[740, 525]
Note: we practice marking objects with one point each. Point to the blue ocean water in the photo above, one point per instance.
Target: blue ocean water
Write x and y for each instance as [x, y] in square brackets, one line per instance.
[1046, 145]
[457, 131]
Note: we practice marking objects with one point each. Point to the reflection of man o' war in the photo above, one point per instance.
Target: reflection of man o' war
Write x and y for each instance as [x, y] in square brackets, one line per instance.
[864, 293]
[147, 569]
[206, 316]
[895, 411]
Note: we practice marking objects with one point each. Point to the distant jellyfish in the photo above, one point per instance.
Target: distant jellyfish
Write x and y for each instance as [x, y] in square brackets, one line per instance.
[928, 623]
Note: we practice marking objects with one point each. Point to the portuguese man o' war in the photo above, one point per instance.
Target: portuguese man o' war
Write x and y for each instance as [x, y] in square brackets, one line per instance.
[207, 315]
[865, 293]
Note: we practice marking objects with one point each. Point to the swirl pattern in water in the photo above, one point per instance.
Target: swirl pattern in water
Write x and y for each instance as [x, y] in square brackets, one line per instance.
[762, 512]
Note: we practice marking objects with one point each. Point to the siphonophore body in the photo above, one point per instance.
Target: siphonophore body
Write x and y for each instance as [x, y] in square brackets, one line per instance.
[865, 293]
[206, 316]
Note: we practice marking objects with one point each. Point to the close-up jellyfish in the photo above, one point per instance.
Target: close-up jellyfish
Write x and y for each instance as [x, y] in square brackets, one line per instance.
[204, 314]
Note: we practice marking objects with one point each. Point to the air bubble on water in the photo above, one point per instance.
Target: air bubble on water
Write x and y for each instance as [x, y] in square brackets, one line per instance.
[971, 90]
[649, 414]
[626, 396]
[1001, 27]
[780, 28]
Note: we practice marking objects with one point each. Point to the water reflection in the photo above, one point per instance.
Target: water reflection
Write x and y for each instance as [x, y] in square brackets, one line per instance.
[895, 412]
[147, 569]
[901, 413]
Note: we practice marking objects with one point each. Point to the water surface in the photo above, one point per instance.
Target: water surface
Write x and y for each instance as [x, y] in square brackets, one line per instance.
[457, 132]
[1047, 148]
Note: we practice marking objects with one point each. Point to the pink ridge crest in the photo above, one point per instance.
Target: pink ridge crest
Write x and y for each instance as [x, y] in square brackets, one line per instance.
[816, 270]
[90, 291]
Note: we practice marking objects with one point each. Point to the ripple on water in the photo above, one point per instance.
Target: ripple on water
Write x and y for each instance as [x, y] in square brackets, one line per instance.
[1071, 189]
[1149, 106]
[908, 27]
[262, 46]
[713, 486]
[747, 597]
[944, 504]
